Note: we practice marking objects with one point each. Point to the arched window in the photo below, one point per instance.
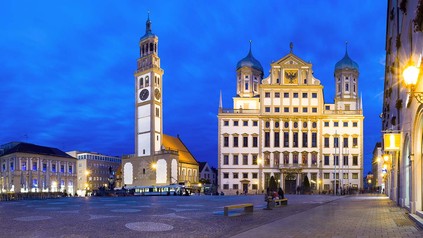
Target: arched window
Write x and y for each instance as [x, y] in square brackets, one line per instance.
[155, 48]
[147, 81]
[354, 87]
[151, 47]
[142, 50]
[141, 82]
[347, 87]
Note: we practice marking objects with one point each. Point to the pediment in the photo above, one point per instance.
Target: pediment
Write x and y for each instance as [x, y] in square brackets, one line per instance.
[291, 61]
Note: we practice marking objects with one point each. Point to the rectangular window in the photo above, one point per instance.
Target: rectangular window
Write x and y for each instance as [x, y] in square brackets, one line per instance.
[276, 144]
[244, 175]
[295, 95]
[235, 159]
[245, 159]
[267, 139]
[255, 123]
[53, 168]
[355, 175]
[254, 159]
[255, 141]
[314, 159]
[267, 109]
[254, 187]
[286, 139]
[235, 186]
[254, 175]
[225, 141]
[277, 109]
[326, 124]
[295, 109]
[326, 176]
[225, 159]
[34, 166]
[3, 167]
[314, 95]
[336, 142]
[277, 95]
[12, 167]
[225, 186]
[295, 158]
[305, 139]
[225, 123]
[345, 143]
[245, 123]
[305, 110]
[286, 95]
[286, 109]
[355, 142]
[355, 124]
[23, 168]
[345, 160]
[345, 124]
[336, 159]
[355, 160]
[245, 141]
[235, 123]
[326, 157]
[305, 95]
[235, 175]
[314, 139]
[295, 139]
[335, 124]
[235, 141]
[225, 175]
[314, 110]
[70, 169]
[267, 95]
[326, 142]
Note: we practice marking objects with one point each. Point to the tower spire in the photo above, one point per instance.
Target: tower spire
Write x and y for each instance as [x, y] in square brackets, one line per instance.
[148, 24]
[291, 47]
[346, 47]
[220, 101]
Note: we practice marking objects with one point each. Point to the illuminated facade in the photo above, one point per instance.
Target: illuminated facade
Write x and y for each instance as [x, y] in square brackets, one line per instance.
[280, 126]
[95, 170]
[402, 113]
[33, 168]
[159, 159]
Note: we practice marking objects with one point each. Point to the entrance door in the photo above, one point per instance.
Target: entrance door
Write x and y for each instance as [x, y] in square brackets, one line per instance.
[245, 188]
[290, 183]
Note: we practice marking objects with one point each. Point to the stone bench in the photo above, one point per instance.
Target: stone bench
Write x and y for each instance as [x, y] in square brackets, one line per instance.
[248, 207]
[280, 202]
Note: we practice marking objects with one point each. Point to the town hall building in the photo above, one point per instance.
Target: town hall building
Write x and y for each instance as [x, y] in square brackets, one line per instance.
[280, 126]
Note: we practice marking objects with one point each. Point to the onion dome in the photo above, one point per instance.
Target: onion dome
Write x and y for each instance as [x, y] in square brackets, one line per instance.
[148, 32]
[250, 61]
[346, 63]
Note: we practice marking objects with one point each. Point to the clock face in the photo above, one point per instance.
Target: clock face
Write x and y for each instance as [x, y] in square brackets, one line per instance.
[157, 93]
[144, 94]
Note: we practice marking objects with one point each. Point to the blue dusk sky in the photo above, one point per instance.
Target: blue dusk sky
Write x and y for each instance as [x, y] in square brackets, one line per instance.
[66, 67]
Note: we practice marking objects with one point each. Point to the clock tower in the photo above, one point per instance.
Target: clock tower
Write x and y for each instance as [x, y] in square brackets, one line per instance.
[148, 97]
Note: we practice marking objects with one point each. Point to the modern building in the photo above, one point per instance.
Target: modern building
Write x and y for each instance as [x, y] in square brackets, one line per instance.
[95, 170]
[280, 126]
[27, 167]
[402, 114]
[378, 170]
[159, 159]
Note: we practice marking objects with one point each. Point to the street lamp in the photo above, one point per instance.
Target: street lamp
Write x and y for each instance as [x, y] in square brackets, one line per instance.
[411, 76]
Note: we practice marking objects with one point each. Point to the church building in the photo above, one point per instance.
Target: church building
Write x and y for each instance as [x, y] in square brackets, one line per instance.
[159, 159]
[281, 126]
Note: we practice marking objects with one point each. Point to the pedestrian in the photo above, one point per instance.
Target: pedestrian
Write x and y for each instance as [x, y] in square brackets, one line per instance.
[280, 193]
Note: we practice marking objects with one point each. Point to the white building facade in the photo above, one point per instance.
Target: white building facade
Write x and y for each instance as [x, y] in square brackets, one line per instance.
[280, 126]
[402, 111]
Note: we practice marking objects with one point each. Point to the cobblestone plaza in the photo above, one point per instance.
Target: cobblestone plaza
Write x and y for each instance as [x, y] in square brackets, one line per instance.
[202, 216]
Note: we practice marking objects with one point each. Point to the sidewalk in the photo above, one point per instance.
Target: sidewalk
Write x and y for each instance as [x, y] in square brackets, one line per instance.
[352, 216]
